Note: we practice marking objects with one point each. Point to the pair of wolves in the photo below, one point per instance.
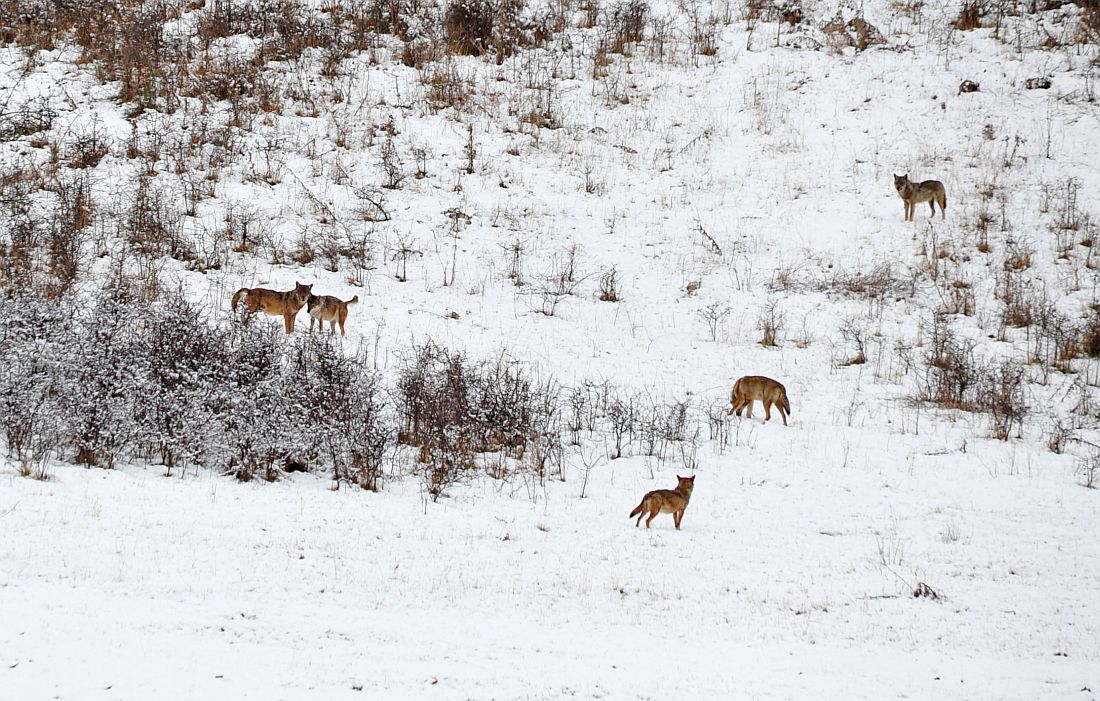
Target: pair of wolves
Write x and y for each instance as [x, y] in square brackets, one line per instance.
[287, 304]
[745, 391]
[912, 194]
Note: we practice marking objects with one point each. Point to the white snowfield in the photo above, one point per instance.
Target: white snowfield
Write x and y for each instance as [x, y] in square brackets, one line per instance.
[764, 174]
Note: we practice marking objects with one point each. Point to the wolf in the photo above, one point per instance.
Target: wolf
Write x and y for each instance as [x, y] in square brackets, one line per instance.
[667, 501]
[324, 308]
[911, 193]
[768, 391]
[285, 304]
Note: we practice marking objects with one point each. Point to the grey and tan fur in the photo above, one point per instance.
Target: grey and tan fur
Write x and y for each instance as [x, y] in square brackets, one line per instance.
[324, 308]
[274, 302]
[912, 194]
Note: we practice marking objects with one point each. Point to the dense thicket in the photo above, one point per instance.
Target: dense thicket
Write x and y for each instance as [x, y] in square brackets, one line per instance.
[132, 381]
[127, 380]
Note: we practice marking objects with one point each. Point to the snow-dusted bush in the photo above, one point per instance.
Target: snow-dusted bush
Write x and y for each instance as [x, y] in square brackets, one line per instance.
[33, 337]
[131, 380]
[185, 365]
[338, 413]
[99, 378]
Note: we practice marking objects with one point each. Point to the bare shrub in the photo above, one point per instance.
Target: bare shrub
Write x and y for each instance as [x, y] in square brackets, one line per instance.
[86, 150]
[24, 119]
[514, 252]
[372, 204]
[609, 286]
[624, 24]
[1004, 397]
[784, 11]
[660, 424]
[401, 255]
[622, 415]
[1088, 23]
[245, 228]
[958, 298]
[1060, 434]
[951, 372]
[393, 170]
[854, 334]
[539, 106]
[1090, 333]
[63, 248]
[771, 323]
[714, 315]
[152, 223]
[1088, 469]
[559, 283]
[19, 249]
[1068, 213]
[880, 282]
[454, 409]
[258, 427]
[955, 378]
[718, 423]
[584, 403]
[470, 150]
[446, 86]
[493, 27]
[1018, 257]
[1021, 306]
[970, 15]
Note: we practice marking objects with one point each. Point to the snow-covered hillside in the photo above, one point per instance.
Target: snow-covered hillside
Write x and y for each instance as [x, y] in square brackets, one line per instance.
[611, 216]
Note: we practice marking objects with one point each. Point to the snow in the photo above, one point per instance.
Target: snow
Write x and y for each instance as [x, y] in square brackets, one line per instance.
[795, 570]
[126, 584]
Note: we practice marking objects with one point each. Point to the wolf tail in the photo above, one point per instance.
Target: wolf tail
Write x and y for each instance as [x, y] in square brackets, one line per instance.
[353, 300]
[786, 403]
[637, 509]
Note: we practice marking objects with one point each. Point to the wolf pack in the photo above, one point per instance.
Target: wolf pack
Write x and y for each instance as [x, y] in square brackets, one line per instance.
[746, 390]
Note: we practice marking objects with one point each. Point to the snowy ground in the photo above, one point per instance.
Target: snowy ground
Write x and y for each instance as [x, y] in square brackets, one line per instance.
[791, 578]
[794, 573]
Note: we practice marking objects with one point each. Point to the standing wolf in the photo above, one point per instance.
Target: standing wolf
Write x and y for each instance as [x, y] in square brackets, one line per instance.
[666, 501]
[911, 193]
[284, 304]
[768, 391]
[324, 308]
